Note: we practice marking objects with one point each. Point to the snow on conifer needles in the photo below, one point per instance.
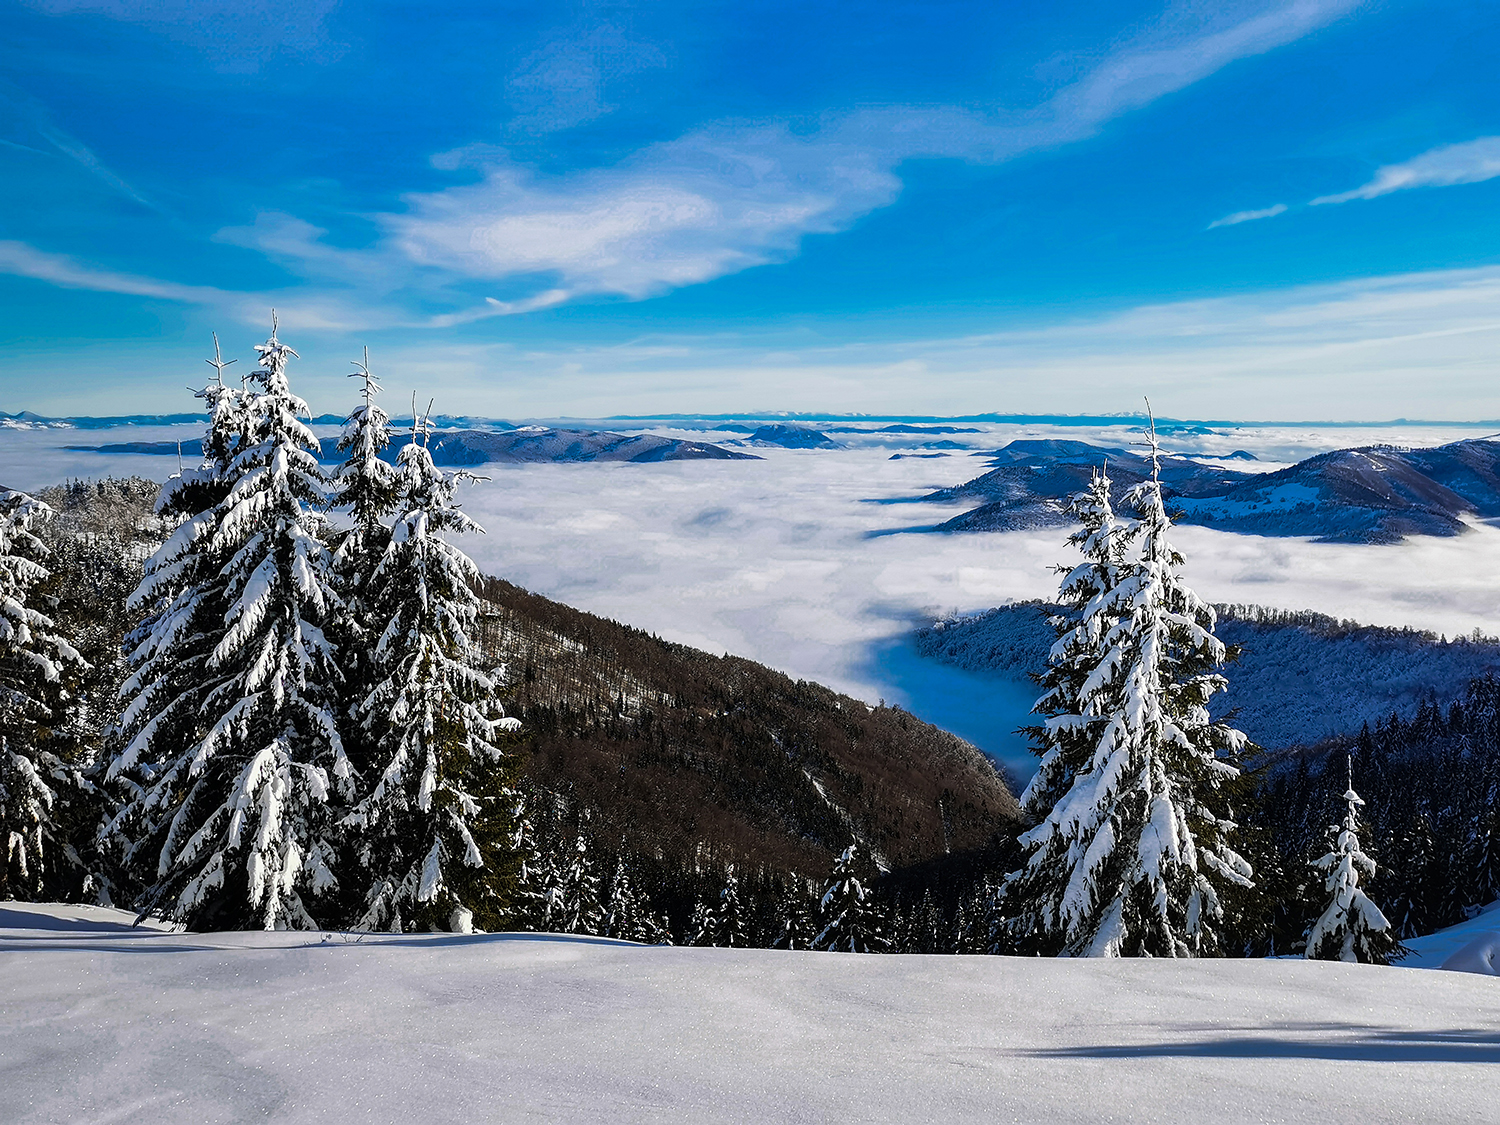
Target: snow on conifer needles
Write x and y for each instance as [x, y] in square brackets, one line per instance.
[231, 757]
[34, 664]
[1133, 850]
[231, 735]
[1352, 928]
[430, 721]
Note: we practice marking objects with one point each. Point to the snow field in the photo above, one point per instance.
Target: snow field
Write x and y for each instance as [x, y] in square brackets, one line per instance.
[100, 1022]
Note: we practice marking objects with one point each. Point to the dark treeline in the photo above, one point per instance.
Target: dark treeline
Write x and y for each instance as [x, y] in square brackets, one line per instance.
[1429, 782]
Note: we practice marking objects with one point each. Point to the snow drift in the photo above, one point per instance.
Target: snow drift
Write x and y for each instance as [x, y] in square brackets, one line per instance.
[100, 1021]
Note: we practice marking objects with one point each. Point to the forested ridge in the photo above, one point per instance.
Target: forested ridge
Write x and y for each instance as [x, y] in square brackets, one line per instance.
[671, 763]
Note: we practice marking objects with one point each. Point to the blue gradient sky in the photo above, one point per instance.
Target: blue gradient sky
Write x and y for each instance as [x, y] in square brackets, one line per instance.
[1281, 209]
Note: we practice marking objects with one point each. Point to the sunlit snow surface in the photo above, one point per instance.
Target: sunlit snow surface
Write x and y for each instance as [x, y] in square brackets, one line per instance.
[101, 1023]
[1472, 946]
[775, 559]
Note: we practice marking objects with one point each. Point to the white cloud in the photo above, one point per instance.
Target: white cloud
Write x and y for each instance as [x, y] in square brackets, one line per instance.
[717, 200]
[1469, 163]
[1414, 345]
[301, 308]
[26, 261]
[730, 196]
[1181, 56]
[772, 559]
[679, 213]
[1248, 216]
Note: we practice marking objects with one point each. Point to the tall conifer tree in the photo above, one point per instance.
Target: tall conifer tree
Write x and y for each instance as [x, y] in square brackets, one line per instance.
[431, 721]
[1143, 835]
[366, 485]
[35, 665]
[229, 740]
[850, 922]
[1031, 898]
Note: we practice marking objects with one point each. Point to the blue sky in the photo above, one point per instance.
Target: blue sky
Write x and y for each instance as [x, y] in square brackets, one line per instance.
[1283, 209]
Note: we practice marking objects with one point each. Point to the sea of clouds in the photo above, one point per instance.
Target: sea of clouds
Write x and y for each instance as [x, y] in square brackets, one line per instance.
[799, 560]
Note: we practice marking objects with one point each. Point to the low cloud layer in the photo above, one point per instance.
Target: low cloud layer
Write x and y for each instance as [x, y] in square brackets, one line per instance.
[771, 559]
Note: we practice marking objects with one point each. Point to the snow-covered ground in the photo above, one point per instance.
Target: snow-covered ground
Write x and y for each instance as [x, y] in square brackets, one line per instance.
[99, 1022]
[785, 560]
[1472, 946]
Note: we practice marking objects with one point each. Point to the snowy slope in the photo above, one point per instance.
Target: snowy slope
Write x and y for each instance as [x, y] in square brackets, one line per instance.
[104, 1024]
[1297, 681]
[1472, 946]
[1374, 494]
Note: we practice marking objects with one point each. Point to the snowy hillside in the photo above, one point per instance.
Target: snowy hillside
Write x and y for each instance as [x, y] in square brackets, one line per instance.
[101, 1022]
[1472, 946]
[1299, 679]
[1375, 494]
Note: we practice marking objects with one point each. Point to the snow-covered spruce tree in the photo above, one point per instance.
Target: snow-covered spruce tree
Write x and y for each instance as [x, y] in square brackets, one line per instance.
[228, 742]
[1137, 853]
[626, 915]
[622, 908]
[793, 927]
[724, 923]
[529, 904]
[573, 905]
[700, 924]
[925, 926]
[365, 483]
[1068, 736]
[1351, 928]
[432, 825]
[36, 859]
[366, 486]
[181, 600]
[850, 922]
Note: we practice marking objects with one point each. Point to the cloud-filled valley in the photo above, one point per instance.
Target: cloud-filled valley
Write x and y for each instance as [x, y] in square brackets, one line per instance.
[787, 560]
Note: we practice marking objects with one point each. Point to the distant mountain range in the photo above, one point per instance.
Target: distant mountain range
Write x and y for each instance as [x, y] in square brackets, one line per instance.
[535, 444]
[1375, 494]
[478, 447]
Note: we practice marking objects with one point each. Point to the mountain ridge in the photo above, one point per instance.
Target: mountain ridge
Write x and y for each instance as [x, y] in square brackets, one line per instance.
[1369, 494]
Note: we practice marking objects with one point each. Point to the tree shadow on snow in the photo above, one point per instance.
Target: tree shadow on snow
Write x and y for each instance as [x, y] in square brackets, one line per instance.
[1335, 1042]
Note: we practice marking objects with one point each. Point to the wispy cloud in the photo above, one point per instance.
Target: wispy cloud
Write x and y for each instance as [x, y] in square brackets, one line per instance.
[239, 35]
[1248, 216]
[19, 259]
[730, 196]
[304, 309]
[40, 123]
[710, 203]
[563, 83]
[1136, 76]
[84, 157]
[1469, 163]
[1378, 347]
[719, 199]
